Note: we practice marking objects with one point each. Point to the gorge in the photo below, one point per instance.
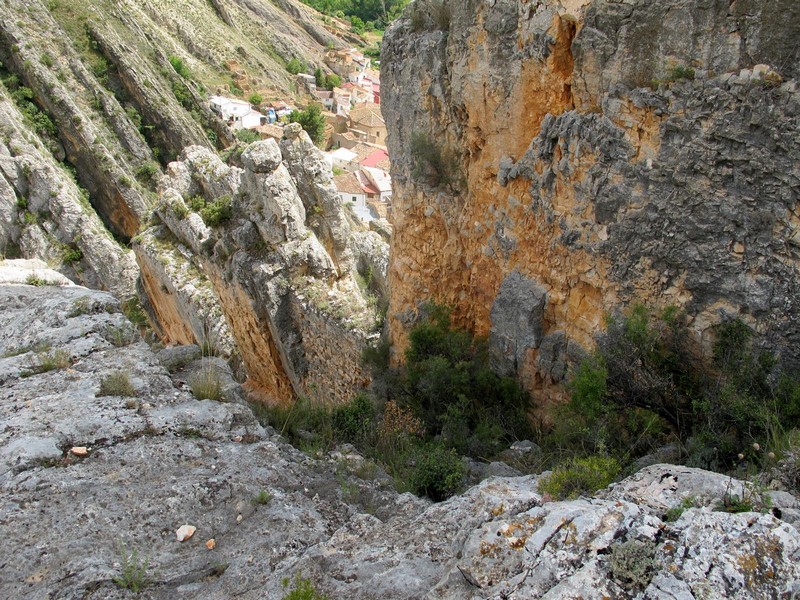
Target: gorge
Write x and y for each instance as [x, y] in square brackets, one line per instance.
[556, 165]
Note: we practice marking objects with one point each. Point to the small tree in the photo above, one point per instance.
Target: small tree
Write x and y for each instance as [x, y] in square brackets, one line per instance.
[319, 76]
[332, 81]
[312, 121]
[255, 99]
[296, 66]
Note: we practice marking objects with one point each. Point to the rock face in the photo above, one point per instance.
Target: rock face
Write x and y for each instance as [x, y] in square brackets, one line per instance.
[156, 460]
[276, 281]
[606, 152]
[98, 89]
[44, 214]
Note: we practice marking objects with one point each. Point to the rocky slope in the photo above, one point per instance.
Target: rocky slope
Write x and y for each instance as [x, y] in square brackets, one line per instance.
[276, 280]
[556, 160]
[99, 90]
[86, 479]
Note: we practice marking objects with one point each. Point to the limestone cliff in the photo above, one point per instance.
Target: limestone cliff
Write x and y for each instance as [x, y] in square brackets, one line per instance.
[556, 160]
[274, 280]
[96, 86]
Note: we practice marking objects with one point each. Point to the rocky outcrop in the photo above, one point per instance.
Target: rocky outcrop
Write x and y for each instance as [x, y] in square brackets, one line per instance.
[132, 469]
[44, 214]
[97, 87]
[606, 152]
[274, 281]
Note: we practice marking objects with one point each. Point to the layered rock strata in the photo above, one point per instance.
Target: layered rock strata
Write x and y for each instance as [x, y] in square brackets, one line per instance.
[276, 283]
[595, 154]
[44, 214]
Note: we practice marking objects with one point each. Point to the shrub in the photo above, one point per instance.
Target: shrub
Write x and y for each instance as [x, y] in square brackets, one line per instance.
[255, 99]
[132, 309]
[179, 66]
[449, 385]
[434, 166]
[183, 94]
[217, 212]
[72, 255]
[303, 589]
[633, 564]
[352, 421]
[206, 385]
[35, 280]
[579, 476]
[248, 136]
[48, 361]
[116, 384]
[312, 121]
[133, 574]
[262, 498]
[296, 66]
[147, 172]
[679, 72]
[438, 473]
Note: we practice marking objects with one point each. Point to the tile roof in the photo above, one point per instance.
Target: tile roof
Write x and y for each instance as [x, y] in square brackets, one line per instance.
[379, 158]
[368, 114]
[348, 183]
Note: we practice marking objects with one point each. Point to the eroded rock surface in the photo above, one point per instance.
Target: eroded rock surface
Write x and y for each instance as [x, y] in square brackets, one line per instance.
[159, 459]
[276, 281]
[609, 152]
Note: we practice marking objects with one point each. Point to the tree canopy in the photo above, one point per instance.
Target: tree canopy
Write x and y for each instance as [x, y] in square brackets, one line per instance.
[312, 121]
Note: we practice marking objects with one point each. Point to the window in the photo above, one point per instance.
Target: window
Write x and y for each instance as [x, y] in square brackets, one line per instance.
[354, 199]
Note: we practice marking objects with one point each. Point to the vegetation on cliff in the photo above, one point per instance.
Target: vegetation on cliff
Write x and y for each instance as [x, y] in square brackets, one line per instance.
[422, 417]
[650, 383]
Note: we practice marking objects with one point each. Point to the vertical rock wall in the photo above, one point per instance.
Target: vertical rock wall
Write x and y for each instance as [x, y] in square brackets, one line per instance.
[605, 152]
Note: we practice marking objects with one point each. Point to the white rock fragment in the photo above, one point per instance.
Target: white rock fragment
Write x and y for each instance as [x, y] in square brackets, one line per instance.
[185, 532]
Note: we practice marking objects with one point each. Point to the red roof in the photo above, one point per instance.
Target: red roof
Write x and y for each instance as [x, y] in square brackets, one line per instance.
[375, 159]
[369, 188]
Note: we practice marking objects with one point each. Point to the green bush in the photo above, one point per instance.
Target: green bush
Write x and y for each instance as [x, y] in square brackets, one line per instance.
[449, 385]
[579, 476]
[438, 473]
[353, 421]
[248, 136]
[179, 66]
[148, 172]
[132, 309]
[303, 589]
[72, 255]
[133, 576]
[217, 212]
[255, 99]
[679, 72]
[312, 121]
[296, 66]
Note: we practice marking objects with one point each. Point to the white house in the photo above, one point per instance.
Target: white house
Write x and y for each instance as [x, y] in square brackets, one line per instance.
[236, 113]
[380, 180]
[251, 120]
[351, 192]
[229, 107]
[342, 158]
